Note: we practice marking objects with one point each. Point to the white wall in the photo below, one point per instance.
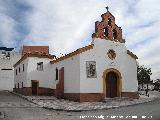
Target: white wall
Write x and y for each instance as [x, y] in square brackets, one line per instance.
[75, 80]
[47, 77]
[71, 73]
[44, 77]
[7, 76]
[130, 82]
[123, 63]
[6, 80]
[22, 75]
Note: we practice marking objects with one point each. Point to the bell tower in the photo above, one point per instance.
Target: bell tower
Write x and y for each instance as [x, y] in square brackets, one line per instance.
[107, 29]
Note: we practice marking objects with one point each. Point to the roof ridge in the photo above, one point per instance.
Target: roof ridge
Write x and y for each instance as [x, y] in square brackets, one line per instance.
[26, 55]
[76, 52]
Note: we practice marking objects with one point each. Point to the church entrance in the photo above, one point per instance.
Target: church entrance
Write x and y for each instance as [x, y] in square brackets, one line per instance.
[111, 84]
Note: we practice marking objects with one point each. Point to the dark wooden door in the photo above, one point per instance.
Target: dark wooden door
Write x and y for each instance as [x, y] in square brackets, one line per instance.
[61, 79]
[60, 86]
[34, 87]
[111, 85]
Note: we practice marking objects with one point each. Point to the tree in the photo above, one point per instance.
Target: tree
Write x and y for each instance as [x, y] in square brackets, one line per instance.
[143, 75]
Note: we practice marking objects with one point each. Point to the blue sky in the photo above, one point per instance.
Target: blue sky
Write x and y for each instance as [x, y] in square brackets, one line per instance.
[66, 25]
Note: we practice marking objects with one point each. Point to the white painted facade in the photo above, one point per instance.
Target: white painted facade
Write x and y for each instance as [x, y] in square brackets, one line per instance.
[75, 78]
[124, 63]
[45, 77]
[6, 68]
[71, 73]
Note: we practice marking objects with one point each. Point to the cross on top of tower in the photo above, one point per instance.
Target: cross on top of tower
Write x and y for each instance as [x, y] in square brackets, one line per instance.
[107, 8]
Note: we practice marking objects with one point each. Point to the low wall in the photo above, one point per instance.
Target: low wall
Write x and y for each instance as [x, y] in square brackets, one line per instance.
[40, 91]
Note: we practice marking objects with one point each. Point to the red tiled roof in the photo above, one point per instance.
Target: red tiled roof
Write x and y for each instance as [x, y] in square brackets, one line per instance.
[34, 54]
[131, 54]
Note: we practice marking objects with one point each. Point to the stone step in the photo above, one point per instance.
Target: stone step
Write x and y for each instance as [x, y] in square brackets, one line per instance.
[117, 99]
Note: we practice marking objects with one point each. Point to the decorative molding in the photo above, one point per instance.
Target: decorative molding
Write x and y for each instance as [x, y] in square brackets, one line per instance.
[111, 54]
[131, 54]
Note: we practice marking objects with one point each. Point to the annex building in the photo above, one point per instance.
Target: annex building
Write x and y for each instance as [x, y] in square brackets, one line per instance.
[105, 68]
[8, 57]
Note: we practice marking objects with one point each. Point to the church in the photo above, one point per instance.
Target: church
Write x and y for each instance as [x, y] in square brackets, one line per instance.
[103, 69]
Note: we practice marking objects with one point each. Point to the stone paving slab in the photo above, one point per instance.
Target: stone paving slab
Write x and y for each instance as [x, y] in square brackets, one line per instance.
[15, 104]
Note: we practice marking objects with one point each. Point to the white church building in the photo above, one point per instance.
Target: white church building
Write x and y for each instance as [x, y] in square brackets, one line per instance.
[105, 68]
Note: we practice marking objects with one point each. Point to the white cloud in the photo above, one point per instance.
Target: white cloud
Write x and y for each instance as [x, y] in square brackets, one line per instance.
[66, 25]
[140, 20]
[7, 26]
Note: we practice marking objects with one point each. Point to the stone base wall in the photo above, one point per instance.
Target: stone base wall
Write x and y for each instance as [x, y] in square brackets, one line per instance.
[134, 95]
[95, 97]
[72, 96]
[28, 91]
[84, 97]
[91, 97]
[45, 91]
[78, 97]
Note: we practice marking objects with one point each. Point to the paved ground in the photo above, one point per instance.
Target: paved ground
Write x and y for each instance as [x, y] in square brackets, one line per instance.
[16, 108]
[51, 102]
[8, 100]
[61, 104]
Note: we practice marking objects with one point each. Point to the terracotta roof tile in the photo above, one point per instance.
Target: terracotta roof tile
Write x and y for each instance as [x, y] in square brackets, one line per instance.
[131, 54]
[34, 54]
[78, 51]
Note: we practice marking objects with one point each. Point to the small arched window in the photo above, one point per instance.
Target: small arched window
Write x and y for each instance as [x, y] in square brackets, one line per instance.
[109, 22]
[114, 34]
[106, 32]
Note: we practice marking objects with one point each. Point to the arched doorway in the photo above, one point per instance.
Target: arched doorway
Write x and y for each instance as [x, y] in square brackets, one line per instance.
[111, 85]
